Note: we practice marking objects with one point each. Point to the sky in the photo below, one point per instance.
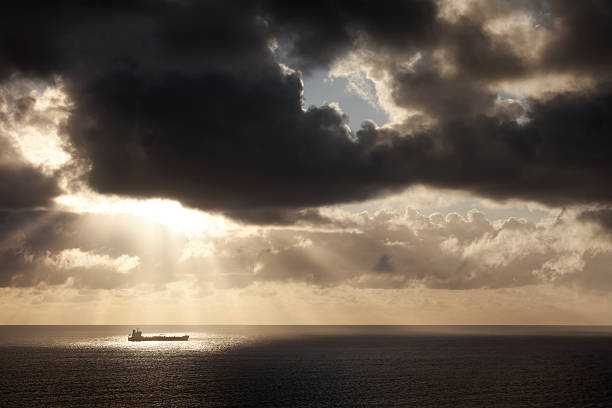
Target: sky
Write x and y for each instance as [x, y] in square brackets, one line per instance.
[328, 162]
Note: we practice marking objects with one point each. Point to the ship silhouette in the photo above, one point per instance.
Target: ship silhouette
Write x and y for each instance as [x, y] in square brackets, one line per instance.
[137, 336]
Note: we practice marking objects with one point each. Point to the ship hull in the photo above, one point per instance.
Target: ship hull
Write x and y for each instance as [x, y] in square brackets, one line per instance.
[159, 338]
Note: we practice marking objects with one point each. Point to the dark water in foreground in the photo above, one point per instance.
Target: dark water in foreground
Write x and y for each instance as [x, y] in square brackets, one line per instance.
[307, 366]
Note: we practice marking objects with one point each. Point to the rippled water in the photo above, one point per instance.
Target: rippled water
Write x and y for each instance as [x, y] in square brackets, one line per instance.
[307, 366]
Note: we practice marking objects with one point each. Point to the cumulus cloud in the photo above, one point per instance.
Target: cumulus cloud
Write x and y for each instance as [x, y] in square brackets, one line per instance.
[386, 250]
[75, 258]
[400, 250]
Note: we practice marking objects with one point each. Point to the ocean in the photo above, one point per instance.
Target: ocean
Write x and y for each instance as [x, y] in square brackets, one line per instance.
[307, 366]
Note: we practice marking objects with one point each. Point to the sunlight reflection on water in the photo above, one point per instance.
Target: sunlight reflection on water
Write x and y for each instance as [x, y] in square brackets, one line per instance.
[198, 342]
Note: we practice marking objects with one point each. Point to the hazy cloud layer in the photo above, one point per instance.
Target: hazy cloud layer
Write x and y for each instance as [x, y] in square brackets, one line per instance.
[393, 250]
[386, 250]
[187, 100]
[88, 250]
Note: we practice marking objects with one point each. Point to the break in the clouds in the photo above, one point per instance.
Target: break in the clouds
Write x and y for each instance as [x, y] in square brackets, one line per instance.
[202, 101]
[23, 185]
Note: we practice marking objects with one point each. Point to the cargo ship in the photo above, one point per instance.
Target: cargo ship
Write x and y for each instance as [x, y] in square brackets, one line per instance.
[137, 336]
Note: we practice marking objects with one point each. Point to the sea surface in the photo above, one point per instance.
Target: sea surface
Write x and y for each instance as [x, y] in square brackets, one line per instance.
[307, 366]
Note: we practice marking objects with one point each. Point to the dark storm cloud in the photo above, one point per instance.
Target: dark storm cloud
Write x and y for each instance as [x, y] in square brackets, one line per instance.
[22, 186]
[315, 34]
[602, 217]
[280, 217]
[560, 156]
[186, 100]
[582, 37]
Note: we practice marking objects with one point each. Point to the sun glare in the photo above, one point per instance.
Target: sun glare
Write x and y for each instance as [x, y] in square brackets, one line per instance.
[166, 212]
